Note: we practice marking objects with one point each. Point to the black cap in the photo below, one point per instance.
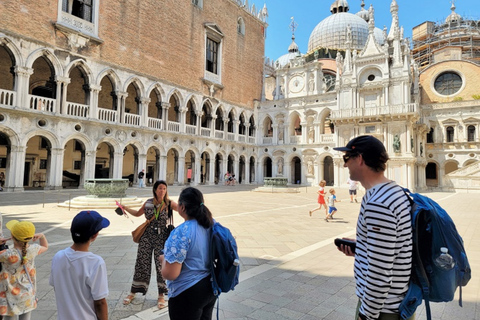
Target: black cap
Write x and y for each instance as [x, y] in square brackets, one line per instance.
[364, 145]
[86, 224]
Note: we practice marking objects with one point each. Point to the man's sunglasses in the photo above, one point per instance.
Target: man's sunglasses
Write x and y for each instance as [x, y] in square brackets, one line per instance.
[347, 157]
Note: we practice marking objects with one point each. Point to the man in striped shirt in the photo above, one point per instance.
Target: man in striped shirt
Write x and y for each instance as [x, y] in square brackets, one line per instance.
[383, 254]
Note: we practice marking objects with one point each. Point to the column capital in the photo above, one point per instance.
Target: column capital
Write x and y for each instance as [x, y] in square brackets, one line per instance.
[95, 88]
[60, 79]
[23, 71]
[145, 100]
[166, 105]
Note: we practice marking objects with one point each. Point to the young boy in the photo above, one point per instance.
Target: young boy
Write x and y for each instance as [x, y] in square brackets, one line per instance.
[79, 276]
[331, 204]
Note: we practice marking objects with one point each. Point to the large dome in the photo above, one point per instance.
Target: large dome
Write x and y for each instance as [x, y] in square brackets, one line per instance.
[331, 33]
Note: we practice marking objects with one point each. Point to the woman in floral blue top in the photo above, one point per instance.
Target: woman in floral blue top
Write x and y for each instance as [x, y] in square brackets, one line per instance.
[185, 263]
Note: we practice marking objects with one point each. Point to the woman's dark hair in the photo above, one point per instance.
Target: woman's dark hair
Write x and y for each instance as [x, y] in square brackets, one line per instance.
[192, 200]
[155, 186]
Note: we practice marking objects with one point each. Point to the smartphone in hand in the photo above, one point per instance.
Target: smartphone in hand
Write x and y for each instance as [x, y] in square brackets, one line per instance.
[345, 242]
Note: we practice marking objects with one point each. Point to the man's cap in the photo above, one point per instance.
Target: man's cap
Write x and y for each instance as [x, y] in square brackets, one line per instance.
[86, 224]
[21, 230]
[364, 145]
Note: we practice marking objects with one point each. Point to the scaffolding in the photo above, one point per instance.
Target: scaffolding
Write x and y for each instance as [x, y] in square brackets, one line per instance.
[461, 36]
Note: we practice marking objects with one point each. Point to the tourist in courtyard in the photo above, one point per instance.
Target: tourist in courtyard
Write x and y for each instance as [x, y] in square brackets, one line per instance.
[332, 209]
[79, 277]
[227, 178]
[383, 254]
[352, 189]
[18, 276]
[141, 179]
[186, 263]
[321, 198]
[151, 243]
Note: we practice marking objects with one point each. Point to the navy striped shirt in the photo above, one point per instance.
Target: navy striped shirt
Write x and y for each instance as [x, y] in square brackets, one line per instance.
[383, 257]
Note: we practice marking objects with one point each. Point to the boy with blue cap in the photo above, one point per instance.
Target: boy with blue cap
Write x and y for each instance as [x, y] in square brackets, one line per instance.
[78, 276]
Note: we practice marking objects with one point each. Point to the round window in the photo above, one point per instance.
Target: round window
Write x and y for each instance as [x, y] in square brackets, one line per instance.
[448, 83]
[371, 77]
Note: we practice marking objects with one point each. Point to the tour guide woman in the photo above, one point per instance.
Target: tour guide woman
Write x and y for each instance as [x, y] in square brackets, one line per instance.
[152, 241]
[185, 264]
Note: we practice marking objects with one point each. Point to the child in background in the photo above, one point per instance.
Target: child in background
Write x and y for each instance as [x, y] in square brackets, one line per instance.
[18, 277]
[321, 198]
[331, 204]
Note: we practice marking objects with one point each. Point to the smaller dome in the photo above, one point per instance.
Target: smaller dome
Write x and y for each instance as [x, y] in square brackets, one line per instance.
[293, 52]
[378, 33]
[339, 6]
[363, 13]
[453, 17]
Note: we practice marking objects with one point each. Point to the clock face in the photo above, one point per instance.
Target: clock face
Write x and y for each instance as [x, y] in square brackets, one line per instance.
[296, 84]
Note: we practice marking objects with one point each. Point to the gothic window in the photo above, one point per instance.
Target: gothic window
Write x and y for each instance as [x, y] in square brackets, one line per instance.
[241, 26]
[329, 82]
[79, 8]
[450, 134]
[448, 83]
[212, 56]
[471, 133]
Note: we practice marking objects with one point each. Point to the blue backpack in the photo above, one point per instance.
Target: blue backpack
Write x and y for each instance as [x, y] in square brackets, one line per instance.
[225, 264]
[433, 229]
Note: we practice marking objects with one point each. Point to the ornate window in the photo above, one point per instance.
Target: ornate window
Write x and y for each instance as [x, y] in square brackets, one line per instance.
[448, 83]
[450, 134]
[213, 54]
[79, 8]
[430, 136]
[79, 20]
[471, 133]
[198, 3]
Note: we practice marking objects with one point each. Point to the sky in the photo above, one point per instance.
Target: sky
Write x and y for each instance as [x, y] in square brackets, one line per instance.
[308, 13]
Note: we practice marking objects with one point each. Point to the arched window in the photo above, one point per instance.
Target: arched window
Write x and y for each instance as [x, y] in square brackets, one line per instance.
[450, 133]
[430, 136]
[241, 26]
[471, 133]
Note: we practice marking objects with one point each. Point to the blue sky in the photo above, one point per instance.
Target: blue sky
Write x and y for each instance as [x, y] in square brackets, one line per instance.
[308, 13]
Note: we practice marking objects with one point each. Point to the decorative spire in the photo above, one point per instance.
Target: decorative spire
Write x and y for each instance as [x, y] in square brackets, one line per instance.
[453, 17]
[293, 46]
[394, 29]
[363, 13]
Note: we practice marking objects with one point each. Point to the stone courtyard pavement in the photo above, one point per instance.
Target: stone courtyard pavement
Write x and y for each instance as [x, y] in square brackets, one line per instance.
[290, 268]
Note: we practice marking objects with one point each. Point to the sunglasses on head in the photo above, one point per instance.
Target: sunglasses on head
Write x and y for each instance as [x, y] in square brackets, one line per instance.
[347, 157]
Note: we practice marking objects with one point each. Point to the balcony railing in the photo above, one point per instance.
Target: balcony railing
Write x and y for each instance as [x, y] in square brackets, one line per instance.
[251, 139]
[155, 123]
[218, 134]
[107, 115]
[77, 109]
[7, 97]
[41, 103]
[190, 129]
[267, 140]
[230, 136]
[241, 138]
[173, 126]
[375, 111]
[205, 132]
[132, 119]
[295, 139]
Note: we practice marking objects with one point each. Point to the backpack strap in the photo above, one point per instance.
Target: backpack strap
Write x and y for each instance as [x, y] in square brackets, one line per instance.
[419, 274]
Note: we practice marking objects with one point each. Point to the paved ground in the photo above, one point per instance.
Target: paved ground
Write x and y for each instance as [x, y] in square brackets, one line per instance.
[290, 268]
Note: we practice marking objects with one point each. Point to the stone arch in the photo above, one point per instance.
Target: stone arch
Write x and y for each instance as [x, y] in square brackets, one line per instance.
[81, 64]
[432, 174]
[112, 76]
[136, 83]
[49, 56]
[8, 61]
[267, 126]
[294, 124]
[450, 166]
[14, 51]
[157, 89]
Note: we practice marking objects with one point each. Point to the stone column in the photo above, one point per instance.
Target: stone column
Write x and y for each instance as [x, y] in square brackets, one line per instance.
[93, 104]
[21, 88]
[15, 168]
[144, 101]
[142, 164]
[121, 96]
[275, 134]
[304, 132]
[162, 172]
[89, 171]
[61, 94]
[211, 171]
[55, 169]
[117, 165]
[165, 107]
[181, 170]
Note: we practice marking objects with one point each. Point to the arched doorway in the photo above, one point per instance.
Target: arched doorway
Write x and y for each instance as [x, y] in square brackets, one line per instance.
[241, 170]
[296, 166]
[73, 164]
[218, 168]
[328, 170]
[130, 167]
[37, 163]
[431, 174]
[230, 164]
[5, 147]
[267, 168]
[153, 166]
[205, 168]
[189, 168]
[104, 161]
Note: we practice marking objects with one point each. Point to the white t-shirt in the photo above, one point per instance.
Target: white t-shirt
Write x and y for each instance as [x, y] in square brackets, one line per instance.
[353, 184]
[79, 278]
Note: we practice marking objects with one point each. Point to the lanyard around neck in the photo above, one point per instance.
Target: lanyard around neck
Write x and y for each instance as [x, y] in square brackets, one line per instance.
[156, 210]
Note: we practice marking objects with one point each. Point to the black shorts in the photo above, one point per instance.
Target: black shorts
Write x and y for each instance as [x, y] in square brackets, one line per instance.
[352, 192]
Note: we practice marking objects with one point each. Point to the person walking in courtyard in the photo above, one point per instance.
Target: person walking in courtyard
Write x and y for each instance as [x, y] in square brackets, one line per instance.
[186, 263]
[321, 198]
[352, 189]
[18, 283]
[332, 198]
[141, 179]
[151, 243]
[78, 276]
[383, 254]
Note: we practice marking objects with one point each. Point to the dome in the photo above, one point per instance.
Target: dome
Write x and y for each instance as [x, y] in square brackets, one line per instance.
[378, 33]
[293, 52]
[453, 17]
[331, 33]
